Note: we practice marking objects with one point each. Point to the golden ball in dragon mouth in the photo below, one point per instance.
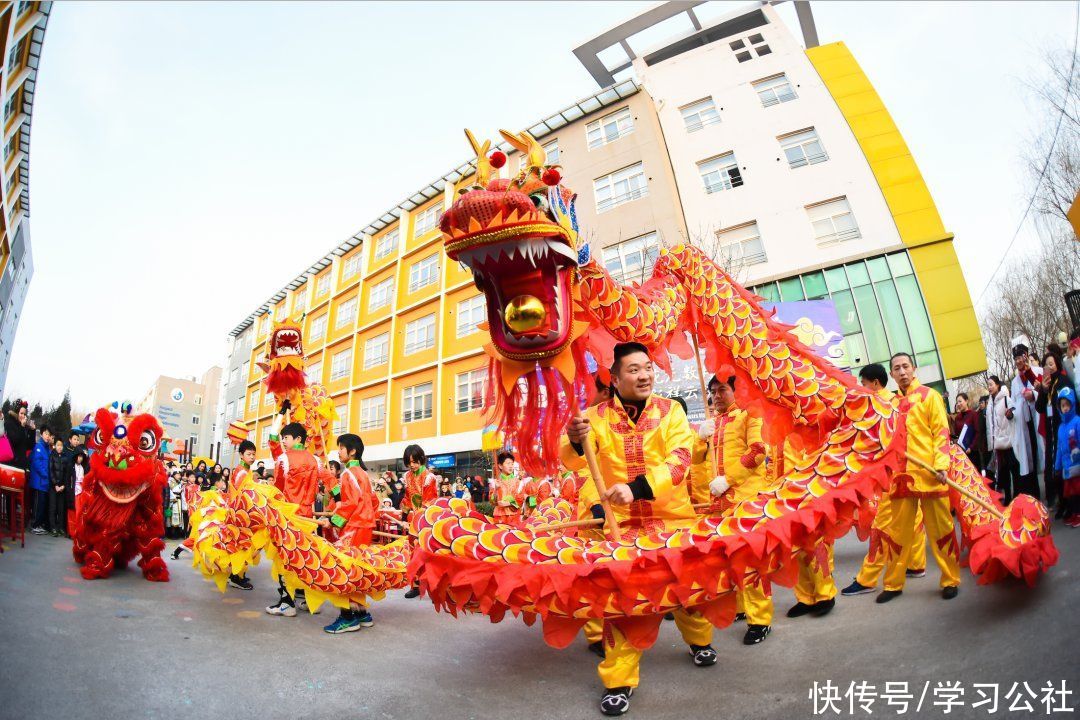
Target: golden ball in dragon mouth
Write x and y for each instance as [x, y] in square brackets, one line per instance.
[524, 313]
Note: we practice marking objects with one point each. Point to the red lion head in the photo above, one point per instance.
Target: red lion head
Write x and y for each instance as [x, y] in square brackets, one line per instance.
[125, 462]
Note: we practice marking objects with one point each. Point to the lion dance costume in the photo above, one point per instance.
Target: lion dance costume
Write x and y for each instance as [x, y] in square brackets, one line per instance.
[120, 510]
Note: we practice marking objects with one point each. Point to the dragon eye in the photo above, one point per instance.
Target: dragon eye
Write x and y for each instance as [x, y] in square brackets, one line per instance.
[99, 440]
[147, 441]
[540, 201]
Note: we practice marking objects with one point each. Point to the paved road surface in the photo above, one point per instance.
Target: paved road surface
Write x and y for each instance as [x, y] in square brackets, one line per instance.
[127, 649]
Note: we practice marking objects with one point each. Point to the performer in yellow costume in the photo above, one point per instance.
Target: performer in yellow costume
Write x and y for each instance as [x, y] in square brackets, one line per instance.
[734, 439]
[643, 444]
[916, 487]
[882, 549]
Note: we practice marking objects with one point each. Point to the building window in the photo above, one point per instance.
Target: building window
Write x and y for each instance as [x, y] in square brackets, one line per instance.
[416, 402]
[376, 351]
[264, 437]
[742, 244]
[346, 313]
[427, 220]
[424, 273]
[373, 412]
[620, 187]
[700, 114]
[341, 422]
[420, 334]
[720, 173]
[340, 364]
[253, 401]
[470, 390]
[470, 313]
[833, 222]
[322, 285]
[230, 411]
[245, 369]
[299, 301]
[198, 399]
[194, 419]
[386, 244]
[551, 150]
[23, 6]
[264, 319]
[13, 104]
[234, 375]
[803, 148]
[351, 266]
[16, 55]
[632, 259]
[381, 294]
[318, 327]
[268, 399]
[609, 128]
[774, 90]
[746, 48]
[313, 373]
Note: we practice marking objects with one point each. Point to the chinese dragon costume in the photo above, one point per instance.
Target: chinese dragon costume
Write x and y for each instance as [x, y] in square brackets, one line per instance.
[285, 379]
[120, 512]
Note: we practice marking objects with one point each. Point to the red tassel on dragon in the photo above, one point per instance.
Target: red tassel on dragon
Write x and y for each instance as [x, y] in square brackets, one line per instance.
[120, 514]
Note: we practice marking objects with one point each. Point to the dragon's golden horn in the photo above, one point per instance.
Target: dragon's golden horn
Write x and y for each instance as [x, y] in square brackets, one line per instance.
[484, 171]
[525, 143]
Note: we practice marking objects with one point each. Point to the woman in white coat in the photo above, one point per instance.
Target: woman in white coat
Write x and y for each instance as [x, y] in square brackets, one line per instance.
[999, 438]
[1026, 442]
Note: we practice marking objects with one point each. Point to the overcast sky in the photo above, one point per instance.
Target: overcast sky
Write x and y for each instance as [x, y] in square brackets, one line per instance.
[189, 160]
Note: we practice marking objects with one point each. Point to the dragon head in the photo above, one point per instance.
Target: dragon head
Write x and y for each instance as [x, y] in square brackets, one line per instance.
[519, 238]
[284, 365]
[125, 462]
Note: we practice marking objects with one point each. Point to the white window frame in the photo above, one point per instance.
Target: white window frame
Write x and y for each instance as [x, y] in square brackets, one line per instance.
[424, 272]
[387, 244]
[322, 285]
[470, 388]
[645, 248]
[742, 244]
[802, 148]
[253, 402]
[774, 90]
[470, 312]
[346, 313]
[341, 422]
[234, 375]
[373, 413]
[834, 216]
[622, 186]
[299, 301]
[381, 294]
[230, 411]
[415, 395]
[720, 166]
[351, 267]
[551, 149]
[313, 372]
[420, 334]
[268, 399]
[609, 128]
[264, 437]
[318, 326]
[699, 114]
[427, 220]
[372, 345]
[341, 364]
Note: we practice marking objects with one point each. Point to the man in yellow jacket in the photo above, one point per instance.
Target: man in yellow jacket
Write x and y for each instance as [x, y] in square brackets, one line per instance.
[731, 439]
[643, 444]
[916, 487]
[883, 549]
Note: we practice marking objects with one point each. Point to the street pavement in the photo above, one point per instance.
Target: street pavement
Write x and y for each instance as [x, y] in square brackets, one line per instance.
[124, 648]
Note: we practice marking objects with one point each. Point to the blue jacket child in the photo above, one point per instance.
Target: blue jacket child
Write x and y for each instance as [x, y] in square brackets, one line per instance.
[1067, 459]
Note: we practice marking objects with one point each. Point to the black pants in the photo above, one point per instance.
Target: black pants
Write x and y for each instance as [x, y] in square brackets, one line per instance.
[1052, 480]
[285, 593]
[1007, 469]
[57, 516]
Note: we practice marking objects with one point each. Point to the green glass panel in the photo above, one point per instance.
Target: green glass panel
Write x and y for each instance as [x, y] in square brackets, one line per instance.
[791, 290]
[768, 291]
[922, 337]
[889, 302]
[899, 264]
[836, 278]
[815, 285]
[856, 350]
[857, 274]
[926, 359]
[879, 269]
[845, 310]
[877, 343]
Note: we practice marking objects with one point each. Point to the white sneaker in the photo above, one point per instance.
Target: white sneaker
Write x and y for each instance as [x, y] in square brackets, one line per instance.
[282, 609]
[37, 531]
